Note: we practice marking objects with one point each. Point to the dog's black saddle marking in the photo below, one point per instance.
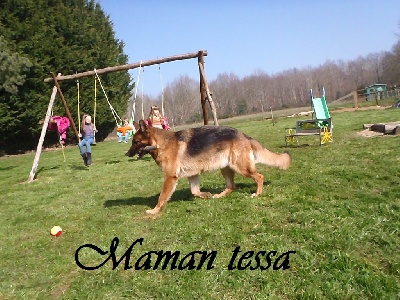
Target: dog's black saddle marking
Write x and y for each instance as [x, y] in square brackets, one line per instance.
[201, 138]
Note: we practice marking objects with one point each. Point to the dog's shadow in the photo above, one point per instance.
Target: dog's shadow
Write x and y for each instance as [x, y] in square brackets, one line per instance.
[144, 158]
[151, 201]
[179, 195]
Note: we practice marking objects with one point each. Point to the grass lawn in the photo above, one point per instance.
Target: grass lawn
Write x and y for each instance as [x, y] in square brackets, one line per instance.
[337, 207]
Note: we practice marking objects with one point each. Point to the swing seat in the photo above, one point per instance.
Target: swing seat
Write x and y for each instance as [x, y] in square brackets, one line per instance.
[166, 125]
[123, 130]
[163, 121]
[59, 124]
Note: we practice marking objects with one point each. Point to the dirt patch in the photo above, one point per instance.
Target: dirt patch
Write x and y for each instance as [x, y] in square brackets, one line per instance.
[360, 108]
[369, 133]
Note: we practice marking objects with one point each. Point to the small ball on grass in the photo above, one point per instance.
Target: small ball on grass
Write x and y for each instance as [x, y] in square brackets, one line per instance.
[56, 231]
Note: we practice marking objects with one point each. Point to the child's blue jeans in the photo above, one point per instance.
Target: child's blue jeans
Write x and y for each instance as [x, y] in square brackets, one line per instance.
[121, 136]
[86, 142]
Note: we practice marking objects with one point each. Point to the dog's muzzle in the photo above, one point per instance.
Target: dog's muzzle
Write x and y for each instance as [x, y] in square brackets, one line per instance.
[140, 151]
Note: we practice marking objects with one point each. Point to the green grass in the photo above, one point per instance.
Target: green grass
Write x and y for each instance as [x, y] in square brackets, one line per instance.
[337, 207]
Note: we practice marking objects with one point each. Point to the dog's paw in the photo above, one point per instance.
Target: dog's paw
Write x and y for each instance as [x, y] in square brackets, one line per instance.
[216, 196]
[153, 211]
[226, 192]
[206, 195]
[203, 195]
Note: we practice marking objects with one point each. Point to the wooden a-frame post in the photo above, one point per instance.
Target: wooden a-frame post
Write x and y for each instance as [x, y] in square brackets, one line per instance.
[56, 89]
[42, 135]
[205, 93]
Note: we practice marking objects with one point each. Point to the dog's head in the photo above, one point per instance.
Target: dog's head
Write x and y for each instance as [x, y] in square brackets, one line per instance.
[141, 141]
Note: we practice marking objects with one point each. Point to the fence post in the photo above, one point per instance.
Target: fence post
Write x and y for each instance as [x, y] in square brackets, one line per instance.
[355, 96]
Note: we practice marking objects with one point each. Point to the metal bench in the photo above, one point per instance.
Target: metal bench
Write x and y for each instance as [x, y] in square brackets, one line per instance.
[320, 127]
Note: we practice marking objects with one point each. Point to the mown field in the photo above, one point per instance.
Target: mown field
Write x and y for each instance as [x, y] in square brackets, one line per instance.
[327, 228]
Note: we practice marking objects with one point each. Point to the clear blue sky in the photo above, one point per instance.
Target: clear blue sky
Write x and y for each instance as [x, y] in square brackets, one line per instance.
[244, 36]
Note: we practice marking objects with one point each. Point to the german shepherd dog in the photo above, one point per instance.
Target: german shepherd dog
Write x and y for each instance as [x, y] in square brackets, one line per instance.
[188, 153]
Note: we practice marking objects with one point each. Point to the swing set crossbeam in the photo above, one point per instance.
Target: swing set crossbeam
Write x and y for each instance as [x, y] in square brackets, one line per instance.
[130, 66]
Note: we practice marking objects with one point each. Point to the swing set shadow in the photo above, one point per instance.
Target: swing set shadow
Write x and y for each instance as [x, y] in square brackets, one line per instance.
[205, 94]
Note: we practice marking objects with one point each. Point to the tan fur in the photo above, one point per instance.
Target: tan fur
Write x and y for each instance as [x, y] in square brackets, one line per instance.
[184, 154]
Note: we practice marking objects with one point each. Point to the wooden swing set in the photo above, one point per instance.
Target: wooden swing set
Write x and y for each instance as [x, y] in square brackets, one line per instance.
[205, 94]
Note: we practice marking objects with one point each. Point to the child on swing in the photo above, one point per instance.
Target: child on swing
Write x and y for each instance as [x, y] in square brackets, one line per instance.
[155, 119]
[88, 130]
[124, 130]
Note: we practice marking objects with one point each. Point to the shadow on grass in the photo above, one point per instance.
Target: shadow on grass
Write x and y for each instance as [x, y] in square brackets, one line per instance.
[79, 167]
[179, 195]
[41, 169]
[145, 158]
[249, 185]
[8, 168]
[151, 201]
[305, 145]
[112, 162]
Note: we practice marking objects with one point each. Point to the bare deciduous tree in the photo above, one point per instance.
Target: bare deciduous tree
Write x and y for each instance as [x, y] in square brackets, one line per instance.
[260, 91]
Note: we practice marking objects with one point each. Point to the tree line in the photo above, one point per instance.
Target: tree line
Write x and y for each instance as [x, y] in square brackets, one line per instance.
[260, 91]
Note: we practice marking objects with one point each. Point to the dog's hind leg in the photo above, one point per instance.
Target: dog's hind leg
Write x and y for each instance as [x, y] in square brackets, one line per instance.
[259, 179]
[249, 170]
[168, 188]
[195, 188]
[228, 174]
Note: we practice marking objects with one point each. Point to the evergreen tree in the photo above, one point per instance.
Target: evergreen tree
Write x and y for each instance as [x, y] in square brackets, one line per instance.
[43, 36]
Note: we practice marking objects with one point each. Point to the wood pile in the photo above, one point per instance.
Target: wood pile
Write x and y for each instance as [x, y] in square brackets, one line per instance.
[385, 128]
[300, 114]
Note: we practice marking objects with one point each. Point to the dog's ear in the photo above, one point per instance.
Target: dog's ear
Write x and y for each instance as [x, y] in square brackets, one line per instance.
[142, 126]
[136, 125]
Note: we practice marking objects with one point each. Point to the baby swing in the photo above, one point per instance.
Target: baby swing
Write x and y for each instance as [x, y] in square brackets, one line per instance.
[156, 118]
[60, 125]
[130, 128]
[121, 128]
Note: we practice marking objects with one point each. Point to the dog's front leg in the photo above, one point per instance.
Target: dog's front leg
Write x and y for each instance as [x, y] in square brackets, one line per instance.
[168, 188]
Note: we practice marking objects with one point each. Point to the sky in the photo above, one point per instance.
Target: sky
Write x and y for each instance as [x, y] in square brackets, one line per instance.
[243, 37]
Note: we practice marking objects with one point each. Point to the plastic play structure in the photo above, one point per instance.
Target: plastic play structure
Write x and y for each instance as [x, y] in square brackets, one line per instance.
[320, 124]
[60, 124]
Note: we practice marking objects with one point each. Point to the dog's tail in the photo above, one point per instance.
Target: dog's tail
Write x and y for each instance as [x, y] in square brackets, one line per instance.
[269, 158]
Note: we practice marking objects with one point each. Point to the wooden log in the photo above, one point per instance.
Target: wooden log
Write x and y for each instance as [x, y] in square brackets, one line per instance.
[129, 66]
[305, 113]
[378, 128]
[35, 164]
[389, 129]
[203, 93]
[367, 126]
[210, 100]
[397, 130]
